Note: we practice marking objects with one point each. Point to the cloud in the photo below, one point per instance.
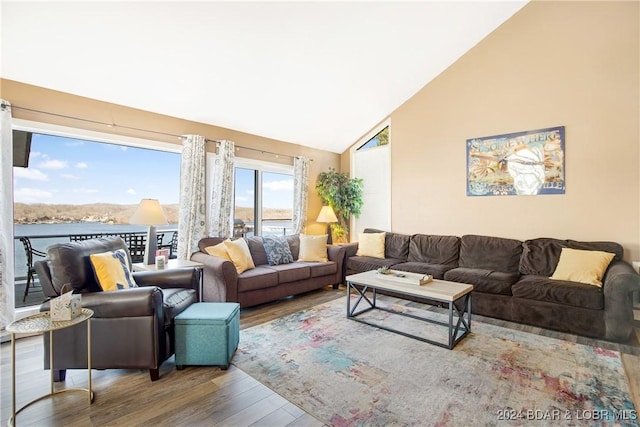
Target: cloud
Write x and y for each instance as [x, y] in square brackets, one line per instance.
[242, 199]
[131, 191]
[29, 173]
[53, 164]
[69, 176]
[279, 185]
[31, 195]
[82, 165]
[84, 190]
[35, 154]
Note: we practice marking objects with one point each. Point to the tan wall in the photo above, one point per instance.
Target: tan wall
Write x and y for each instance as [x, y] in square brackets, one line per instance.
[64, 104]
[574, 64]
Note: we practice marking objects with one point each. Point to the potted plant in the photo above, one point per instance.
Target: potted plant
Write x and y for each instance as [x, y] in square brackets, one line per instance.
[344, 195]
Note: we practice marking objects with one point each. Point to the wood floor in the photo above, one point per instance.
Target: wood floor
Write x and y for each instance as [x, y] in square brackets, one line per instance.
[195, 396]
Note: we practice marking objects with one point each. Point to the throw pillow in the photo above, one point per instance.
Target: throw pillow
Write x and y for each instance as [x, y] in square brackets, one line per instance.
[277, 249]
[371, 244]
[219, 250]
[111, 270]
[313, 248]
[239, 253]
[582, 266]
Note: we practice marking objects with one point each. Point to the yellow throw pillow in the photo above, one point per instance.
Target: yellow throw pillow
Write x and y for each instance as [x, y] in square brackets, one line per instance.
[219, 250]
[239, 253]
[313, 248]
[582, 266]
[111, 270]
[371, 244]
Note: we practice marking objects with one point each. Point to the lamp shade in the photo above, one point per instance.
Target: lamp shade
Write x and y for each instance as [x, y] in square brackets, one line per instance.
[327, 215]
[149, 212]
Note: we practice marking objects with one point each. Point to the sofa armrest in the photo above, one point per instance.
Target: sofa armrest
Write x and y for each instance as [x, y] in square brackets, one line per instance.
[220, 281]
[619, 284]
[133, 302]
[350, 249]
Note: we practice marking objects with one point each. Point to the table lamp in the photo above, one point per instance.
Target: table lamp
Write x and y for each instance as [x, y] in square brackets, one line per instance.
[327, 215]
[149, 212]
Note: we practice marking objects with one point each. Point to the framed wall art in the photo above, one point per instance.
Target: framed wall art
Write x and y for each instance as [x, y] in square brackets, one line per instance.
[521, 163]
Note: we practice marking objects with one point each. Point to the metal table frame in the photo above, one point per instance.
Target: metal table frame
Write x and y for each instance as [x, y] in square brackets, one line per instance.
[41, 323]
[463, 323]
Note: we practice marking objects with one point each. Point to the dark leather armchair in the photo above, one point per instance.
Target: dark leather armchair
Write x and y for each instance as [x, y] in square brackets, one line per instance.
[131, 328]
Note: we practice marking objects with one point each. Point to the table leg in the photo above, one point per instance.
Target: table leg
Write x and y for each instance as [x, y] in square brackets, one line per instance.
[88, 359]
[13, 378]
[51, 359]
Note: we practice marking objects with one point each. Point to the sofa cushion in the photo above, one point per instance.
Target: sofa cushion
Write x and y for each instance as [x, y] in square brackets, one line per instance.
[396, 245]
[258, 278]
[490, 253]
[436, 270]
[586, 267]
[541, 288]
[313, 248]
[277, 249]
[205, 242]
[540, 256]
[434, 249]
[371, 244]
[240, 255]
[319, 269]
[256, 248]
[487, 281]
[366, 263]
[219, 250]
[294, 244]
[111, 270]
[291, 272]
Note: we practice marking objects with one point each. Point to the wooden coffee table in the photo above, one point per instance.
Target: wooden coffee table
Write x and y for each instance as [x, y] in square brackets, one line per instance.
[456, 295]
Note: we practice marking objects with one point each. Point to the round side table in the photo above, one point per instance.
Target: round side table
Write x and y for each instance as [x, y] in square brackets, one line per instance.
[41, 323]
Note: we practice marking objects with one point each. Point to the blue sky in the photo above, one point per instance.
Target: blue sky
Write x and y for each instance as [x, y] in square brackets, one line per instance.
[70, 171]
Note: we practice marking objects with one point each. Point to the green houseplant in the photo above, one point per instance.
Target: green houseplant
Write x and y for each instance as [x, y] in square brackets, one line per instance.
[344, 195]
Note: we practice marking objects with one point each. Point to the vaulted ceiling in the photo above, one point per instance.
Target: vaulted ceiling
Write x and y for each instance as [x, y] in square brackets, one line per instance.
[319, 74]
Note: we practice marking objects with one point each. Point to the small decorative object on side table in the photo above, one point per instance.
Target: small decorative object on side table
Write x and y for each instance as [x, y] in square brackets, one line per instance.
[40, 323]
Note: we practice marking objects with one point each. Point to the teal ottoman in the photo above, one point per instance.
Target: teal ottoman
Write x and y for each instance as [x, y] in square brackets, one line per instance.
[207, 333]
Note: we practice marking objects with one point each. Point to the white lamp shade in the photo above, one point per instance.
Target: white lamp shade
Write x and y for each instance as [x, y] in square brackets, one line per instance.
[327, 215]
[149, 212]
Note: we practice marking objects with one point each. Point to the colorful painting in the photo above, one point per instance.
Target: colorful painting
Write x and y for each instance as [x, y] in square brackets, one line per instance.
[522, 163]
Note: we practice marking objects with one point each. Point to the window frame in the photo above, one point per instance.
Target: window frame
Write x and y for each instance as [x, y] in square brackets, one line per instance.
[260, 166]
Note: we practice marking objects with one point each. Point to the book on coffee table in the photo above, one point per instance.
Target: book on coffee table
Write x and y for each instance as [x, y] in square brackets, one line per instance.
[407, 277]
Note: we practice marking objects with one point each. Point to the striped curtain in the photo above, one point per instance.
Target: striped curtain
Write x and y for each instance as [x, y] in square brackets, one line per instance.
[191, 222]
[222, 192]
[7, 289]
[300, 193]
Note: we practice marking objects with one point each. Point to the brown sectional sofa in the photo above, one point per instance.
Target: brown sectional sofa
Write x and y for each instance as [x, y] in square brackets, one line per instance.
[511, 279]
[266, 282]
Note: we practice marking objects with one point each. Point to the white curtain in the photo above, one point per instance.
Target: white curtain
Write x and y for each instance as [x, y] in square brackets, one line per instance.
[300, 193]
[191, 223]
[222, 192]
[7, 289]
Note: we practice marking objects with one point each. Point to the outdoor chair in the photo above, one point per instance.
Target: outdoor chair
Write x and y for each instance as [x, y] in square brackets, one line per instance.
[30, 252]
[132, 328]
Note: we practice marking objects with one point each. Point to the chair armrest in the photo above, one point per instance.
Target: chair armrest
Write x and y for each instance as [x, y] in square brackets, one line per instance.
[220, 281]
[619, 284]
[133, 302]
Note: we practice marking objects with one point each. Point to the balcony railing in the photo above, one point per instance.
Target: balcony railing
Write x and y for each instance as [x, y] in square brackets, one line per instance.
[31, 248]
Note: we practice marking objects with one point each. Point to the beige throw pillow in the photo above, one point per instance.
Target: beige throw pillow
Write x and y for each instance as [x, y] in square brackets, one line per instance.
[371, 244]
[239, 253]
[219, 250]
[582, 266]
[313, 248]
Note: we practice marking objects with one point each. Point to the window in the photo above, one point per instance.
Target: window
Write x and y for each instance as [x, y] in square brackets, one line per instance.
[381, 138]
[75, 186]
[263, 197]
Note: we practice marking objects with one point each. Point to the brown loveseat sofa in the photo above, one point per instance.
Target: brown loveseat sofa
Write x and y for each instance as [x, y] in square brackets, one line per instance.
[265, 282]
[511, 279]
[131, 328]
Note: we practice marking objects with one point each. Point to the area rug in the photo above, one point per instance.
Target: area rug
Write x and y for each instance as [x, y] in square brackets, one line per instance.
[349, 374]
